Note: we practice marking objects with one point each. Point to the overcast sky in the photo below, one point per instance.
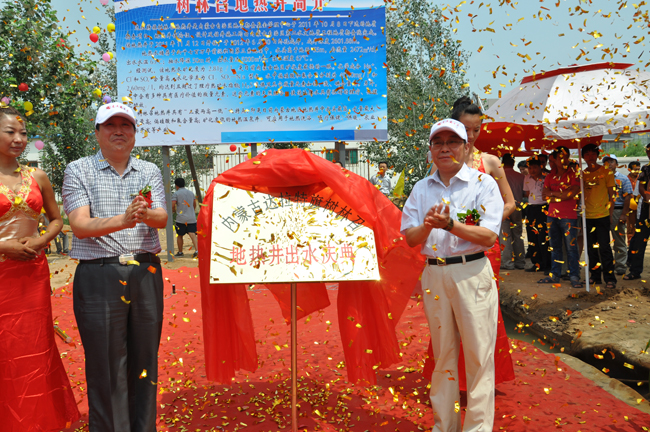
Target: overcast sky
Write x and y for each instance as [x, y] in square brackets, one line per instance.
[506, 43]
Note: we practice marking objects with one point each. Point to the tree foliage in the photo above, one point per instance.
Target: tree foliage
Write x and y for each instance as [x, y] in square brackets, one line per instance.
[34, 51]
[425, 75]
[287, 145]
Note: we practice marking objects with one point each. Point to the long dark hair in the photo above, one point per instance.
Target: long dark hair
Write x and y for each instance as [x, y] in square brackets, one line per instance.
[10, 111]
[464, 105]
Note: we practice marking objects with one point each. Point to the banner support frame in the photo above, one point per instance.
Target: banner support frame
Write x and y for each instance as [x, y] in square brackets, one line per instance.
[167, 182]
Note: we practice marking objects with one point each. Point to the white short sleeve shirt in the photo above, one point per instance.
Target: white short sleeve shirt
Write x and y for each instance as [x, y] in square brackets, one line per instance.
[468, 189]
[534, 189]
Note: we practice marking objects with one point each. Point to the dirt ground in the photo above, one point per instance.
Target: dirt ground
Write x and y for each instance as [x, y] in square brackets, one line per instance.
[607, 328]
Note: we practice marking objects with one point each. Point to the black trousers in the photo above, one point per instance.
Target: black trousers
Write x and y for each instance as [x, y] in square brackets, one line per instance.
[538, 239]
[598, 234]
[119, 311]
[636, 251]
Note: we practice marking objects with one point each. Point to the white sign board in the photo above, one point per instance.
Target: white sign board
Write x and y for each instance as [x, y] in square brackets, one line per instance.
[259, 238]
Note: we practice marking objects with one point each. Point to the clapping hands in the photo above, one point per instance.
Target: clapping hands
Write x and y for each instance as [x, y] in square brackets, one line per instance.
[437, 216]
[136, 212]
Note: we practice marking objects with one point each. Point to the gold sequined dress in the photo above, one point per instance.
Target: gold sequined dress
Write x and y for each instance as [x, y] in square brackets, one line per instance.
[35, 392]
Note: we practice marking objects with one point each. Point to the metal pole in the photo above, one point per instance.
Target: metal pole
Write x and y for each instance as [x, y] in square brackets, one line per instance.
[340, 146]
[167, 181]
[253, 149]
[195, 179]
[294, 359]
[584, 219]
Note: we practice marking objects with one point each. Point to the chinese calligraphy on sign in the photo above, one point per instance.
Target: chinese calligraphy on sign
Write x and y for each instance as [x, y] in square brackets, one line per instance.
[232, 71]
[294, 237]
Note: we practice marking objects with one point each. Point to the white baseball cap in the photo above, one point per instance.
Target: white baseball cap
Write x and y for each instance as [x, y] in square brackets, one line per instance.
[112, 109]
[610, 156]
[450, 125]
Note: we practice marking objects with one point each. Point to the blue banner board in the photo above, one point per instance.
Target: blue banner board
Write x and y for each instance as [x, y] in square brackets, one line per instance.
[235, 71]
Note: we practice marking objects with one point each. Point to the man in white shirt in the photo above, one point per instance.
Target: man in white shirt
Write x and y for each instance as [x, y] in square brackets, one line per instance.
[381, 180]
[460, 294]
[513, 255]
[537, 209]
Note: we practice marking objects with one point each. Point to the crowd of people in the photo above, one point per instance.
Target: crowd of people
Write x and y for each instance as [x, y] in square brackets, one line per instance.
[467, 218]
[549, 207]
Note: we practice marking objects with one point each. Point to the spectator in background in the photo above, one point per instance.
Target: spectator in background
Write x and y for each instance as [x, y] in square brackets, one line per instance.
[62, 243]
[634, 168]
[623, 189]
[381, 180]
[561, 188]
[544, 159]
[513, 255]
[184, 203]
[640, 237]
[599, 208]
[537, 209]
[523, 167]
[337, 162]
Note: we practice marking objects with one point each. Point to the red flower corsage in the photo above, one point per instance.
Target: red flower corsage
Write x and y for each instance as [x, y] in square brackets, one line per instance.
[470, 217]
[146, 194]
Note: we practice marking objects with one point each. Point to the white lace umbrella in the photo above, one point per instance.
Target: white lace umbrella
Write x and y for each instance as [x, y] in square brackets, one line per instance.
[571, 106]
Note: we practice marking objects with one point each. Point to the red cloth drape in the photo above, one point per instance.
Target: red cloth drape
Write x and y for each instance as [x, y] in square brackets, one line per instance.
[375, 306]
[35, 393]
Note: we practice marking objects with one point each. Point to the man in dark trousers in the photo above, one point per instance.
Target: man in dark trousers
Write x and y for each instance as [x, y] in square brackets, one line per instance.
[642, 232]
[118, 285]
[537, 209]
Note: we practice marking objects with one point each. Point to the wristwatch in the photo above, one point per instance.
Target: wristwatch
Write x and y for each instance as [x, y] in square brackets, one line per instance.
[450, 225]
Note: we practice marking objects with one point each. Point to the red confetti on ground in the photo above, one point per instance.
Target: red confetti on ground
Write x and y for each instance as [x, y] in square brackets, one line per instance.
[541, 398]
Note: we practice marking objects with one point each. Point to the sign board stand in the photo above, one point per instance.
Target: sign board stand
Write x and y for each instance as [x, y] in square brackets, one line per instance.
[290, 238]
[195, 179]
[167, 182]
[340, 147]
[294, 359]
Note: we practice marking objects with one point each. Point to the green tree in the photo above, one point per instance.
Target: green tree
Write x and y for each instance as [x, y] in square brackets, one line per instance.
[425, 75]
[287, 145]
[107, 71]
[35, 52]
[634, 148]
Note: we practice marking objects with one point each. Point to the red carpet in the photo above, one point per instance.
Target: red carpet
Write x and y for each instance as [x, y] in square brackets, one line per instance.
[546, 395]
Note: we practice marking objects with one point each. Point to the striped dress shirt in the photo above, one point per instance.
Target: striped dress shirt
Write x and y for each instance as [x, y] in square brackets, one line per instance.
[92, 181]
